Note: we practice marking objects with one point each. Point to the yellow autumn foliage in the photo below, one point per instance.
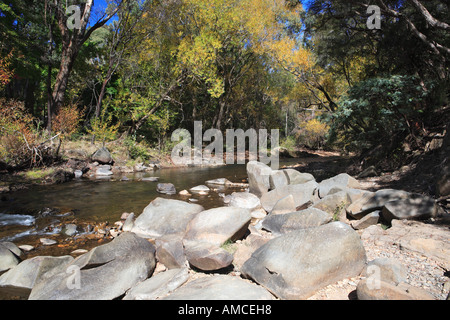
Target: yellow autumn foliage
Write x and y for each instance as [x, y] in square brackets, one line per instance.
[313, 133]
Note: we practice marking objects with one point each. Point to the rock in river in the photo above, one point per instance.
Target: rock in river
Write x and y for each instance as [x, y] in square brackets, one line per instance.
[166, 188]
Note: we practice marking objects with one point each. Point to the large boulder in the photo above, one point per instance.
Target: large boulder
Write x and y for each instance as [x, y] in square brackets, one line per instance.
[278, 179]
[206, 256]
[302, 193]
[216, 226]
[394, 204]
[220, 287]
[295, 265]
[284, 205]
[258, 177]
[334, 204]
[414, 207]
[295, 177]
[370, 202]
[104, 273]
[9, 256]
[102, 156]
[159, 285]
[19, 280]
[341, 180]
[170, 251]
[165, 216]
[284, 223]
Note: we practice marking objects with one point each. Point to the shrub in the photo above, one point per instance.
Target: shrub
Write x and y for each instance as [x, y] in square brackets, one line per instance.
[17, 136]
[378, 111]
[137, 150]
[103, 129]
[67, 120]
[6, 72]
[313, 133]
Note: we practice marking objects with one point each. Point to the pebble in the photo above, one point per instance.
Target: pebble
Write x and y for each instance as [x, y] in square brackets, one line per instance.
[79, 251]
[26, 247]
[47, 242]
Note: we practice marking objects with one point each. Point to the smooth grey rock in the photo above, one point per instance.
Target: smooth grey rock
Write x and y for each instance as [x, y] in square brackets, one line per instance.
[170, 251]
[369, 220]
[284, 223]
[78, 174]
[297, 264]
[159, 285]
[244, 200]
[370, 202]
[296, 177]
[104, 273]
[284, 205]
[258, 177]
[277, 179]
[166, 188]
[218, 225]
[103, 172]
[302, 193]
[219, 181]
[26, 247]
[102, 156]
[165, 216]
[9, 256]
[19, 280]
[129, 223]
[69, 229]
[414, 207]
[334, 204]
[202, 190]
[206, 256]
[341, 180]
[220, 287]
[48, 242]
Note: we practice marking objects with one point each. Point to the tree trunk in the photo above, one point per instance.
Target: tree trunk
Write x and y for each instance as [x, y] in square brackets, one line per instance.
[49, 98]
[220, 114]
[98, 107]
[67, 60]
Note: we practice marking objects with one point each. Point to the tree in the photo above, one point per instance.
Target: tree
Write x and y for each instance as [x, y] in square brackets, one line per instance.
[72, 40]
[121, 37]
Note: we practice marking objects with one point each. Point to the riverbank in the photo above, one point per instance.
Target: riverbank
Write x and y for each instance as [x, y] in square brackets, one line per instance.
[190, 249]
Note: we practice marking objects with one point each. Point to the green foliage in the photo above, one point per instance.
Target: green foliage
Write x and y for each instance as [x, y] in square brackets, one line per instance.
[289, 143]
[376, 110]
[137, 150]
[102, 128]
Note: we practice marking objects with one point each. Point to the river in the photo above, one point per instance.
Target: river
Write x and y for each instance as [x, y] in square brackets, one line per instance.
[39, 210]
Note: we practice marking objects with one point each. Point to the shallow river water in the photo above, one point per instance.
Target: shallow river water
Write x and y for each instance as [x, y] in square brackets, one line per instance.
[36, 210]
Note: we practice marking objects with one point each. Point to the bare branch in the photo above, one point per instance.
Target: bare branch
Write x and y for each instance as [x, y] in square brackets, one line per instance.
[432, 21]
